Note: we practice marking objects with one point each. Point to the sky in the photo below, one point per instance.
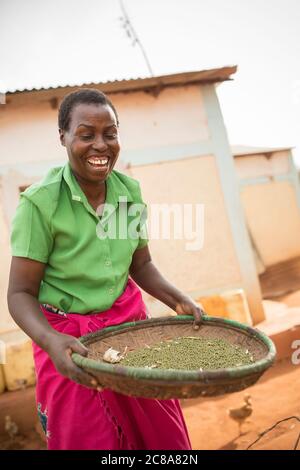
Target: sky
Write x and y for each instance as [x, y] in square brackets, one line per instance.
[64, 42]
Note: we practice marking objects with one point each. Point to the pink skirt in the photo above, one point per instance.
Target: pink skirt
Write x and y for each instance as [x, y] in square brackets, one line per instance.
[75, 417]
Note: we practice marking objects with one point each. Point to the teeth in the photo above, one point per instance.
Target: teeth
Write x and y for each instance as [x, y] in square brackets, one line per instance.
[98, 161]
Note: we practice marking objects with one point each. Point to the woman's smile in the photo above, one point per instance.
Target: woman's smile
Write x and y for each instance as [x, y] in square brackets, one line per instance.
[98, 163]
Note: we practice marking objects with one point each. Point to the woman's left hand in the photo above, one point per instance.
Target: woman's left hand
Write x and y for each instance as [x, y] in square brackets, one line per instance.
[187, 306]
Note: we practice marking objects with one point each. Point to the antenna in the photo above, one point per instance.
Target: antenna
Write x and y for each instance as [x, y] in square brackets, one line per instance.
[131, 33]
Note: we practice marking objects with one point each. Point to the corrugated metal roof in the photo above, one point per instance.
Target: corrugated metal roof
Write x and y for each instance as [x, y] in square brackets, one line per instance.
[243, 150]
[72, 84]
[211, 75]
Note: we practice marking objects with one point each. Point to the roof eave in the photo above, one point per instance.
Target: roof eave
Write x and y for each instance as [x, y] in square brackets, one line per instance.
[150, 84]
[262, 152]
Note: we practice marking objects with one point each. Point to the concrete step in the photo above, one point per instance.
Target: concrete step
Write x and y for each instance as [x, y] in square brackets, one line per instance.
[284, 331]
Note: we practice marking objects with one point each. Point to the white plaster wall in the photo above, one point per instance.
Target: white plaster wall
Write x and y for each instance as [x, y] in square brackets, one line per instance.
[192, 181]
[177, 116]
[273, 218]
[6, 322]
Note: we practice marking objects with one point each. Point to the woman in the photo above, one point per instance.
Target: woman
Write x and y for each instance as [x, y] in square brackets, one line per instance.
[68, 279]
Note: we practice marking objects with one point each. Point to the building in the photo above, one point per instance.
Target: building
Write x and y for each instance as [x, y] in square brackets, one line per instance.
[270, 194]
[174, 142]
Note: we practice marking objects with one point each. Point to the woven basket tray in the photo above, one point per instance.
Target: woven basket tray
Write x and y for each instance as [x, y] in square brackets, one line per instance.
[165, 384]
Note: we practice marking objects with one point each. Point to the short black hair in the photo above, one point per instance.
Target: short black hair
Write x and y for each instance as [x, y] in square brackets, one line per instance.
[81, 96]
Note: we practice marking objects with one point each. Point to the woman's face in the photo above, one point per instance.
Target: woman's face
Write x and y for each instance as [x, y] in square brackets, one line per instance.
[92, 141]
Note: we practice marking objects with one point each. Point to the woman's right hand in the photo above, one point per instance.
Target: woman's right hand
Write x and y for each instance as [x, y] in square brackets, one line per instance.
[60, 348]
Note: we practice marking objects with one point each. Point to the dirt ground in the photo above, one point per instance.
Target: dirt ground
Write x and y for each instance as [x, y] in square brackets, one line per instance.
[30, 441]
[274, 397]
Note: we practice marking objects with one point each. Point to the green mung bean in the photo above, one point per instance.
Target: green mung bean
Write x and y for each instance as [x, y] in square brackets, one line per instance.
[189, 353]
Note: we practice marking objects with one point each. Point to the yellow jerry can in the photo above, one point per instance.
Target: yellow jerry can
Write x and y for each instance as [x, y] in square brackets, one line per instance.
[18, 366]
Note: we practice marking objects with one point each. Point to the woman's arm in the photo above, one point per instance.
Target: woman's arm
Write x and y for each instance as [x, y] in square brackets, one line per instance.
[22, 297]
[24, 283]
[148, 277]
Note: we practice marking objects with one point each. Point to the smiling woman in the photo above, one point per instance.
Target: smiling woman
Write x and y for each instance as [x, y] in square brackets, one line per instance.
[66, 281]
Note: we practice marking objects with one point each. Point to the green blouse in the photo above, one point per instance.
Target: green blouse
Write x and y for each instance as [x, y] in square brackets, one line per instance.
[86, 268]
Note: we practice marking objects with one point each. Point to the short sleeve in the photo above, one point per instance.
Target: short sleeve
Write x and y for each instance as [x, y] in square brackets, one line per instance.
[30, 235]
[143, 231]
